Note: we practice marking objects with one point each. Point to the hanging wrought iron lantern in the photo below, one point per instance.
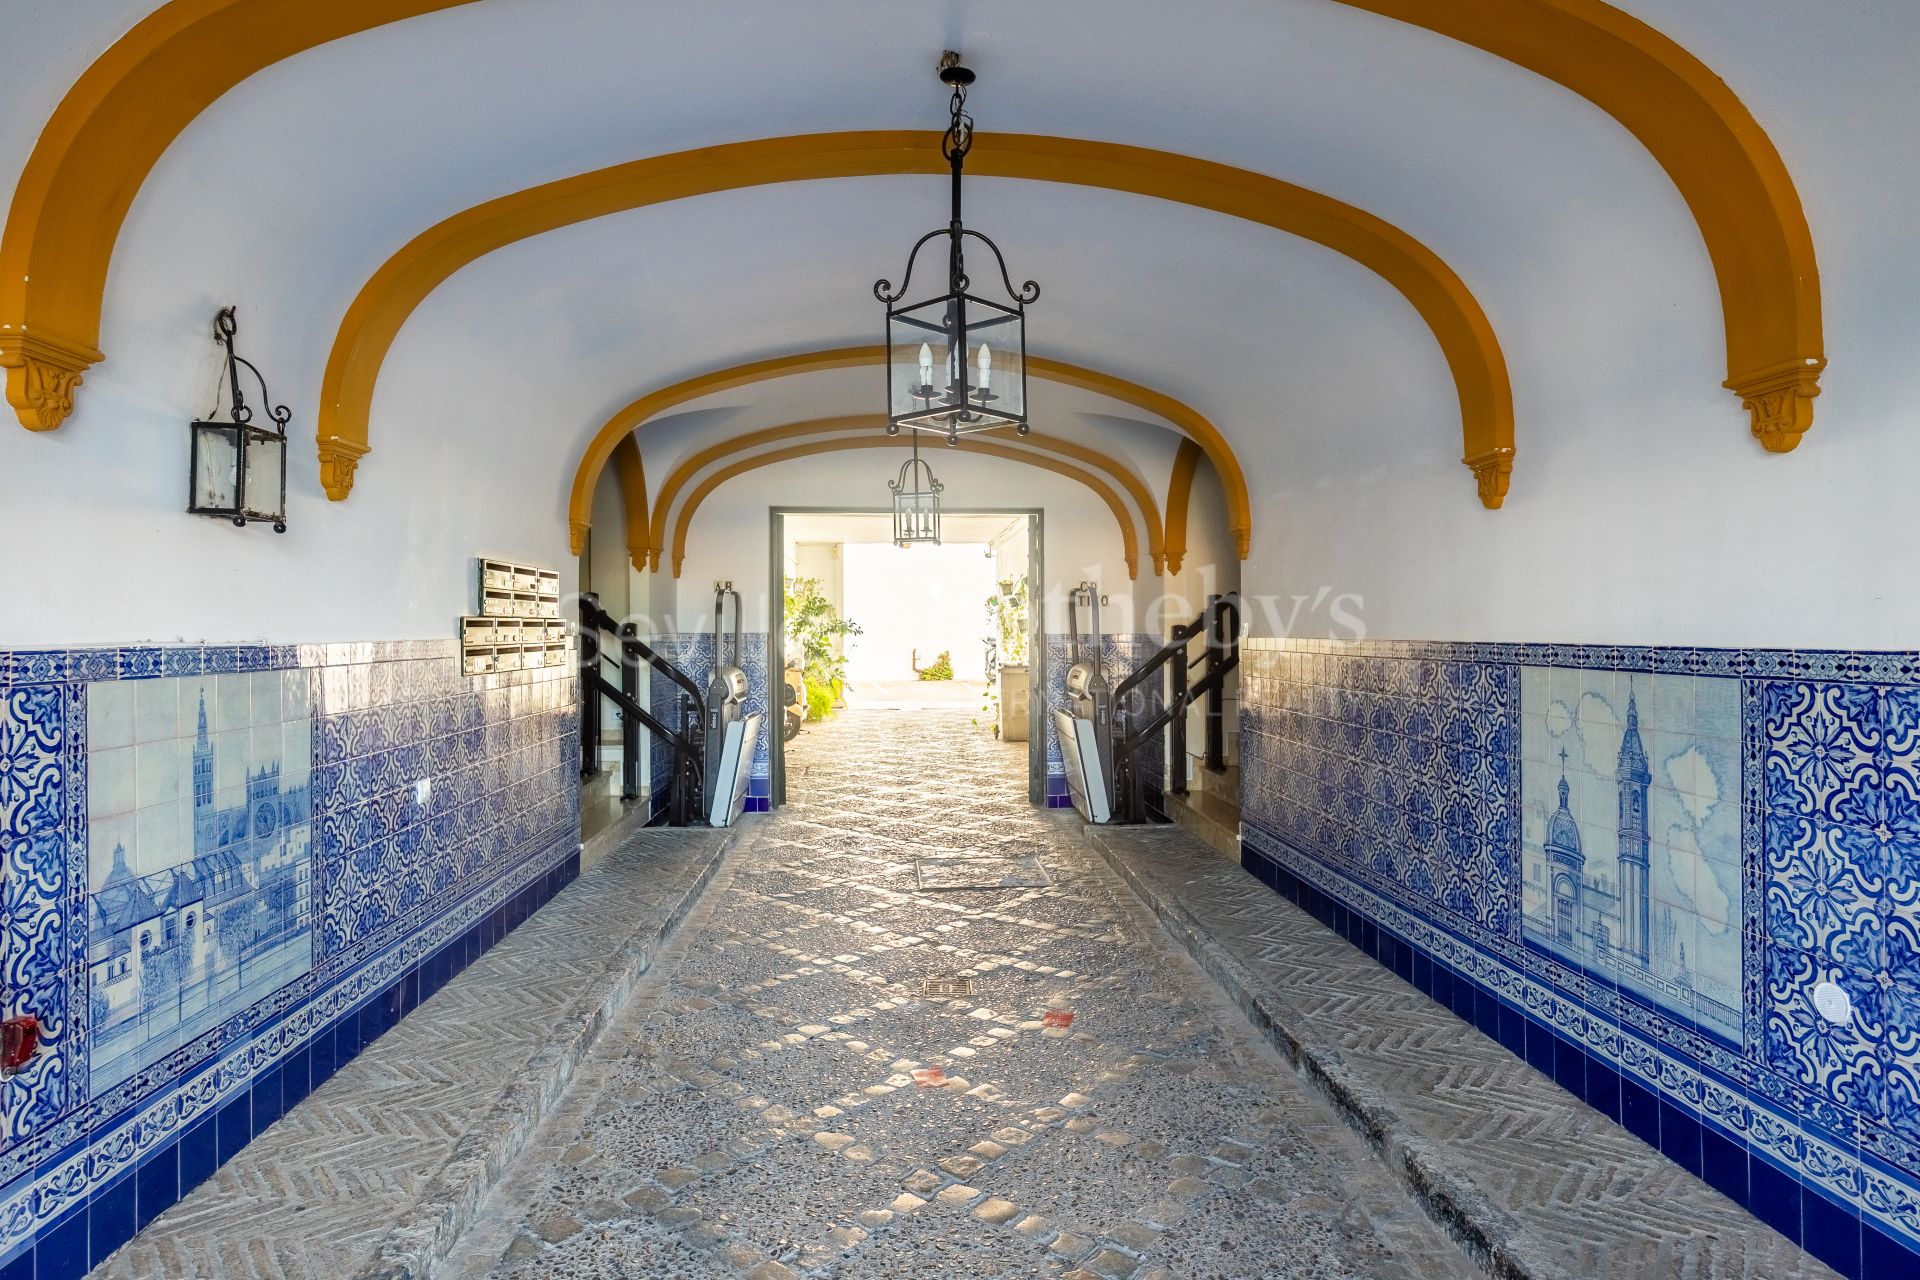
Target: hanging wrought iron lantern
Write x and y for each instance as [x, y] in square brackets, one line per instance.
[238, 470]
[956, 362]
[916, 502]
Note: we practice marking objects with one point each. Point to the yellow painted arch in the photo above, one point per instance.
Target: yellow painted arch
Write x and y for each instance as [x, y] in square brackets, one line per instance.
[684, 473]
[99, 146]
[1186, 460]
[134, 100]
[633, 481]
[1715, 152]
[624, 423]
[1129, 538]
[383, 305]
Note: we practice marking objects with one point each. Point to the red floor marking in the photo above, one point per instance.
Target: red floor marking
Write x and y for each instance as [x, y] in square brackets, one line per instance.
[930, 1077]
[1058, 1017]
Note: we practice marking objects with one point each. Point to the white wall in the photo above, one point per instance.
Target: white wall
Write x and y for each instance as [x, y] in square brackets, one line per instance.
[1640, 512]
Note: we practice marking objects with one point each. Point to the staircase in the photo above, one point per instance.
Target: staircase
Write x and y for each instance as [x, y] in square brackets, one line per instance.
[1211, 809]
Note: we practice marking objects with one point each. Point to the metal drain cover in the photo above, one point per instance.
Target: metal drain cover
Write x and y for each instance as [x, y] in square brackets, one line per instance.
[1023, 872]
[945, 988]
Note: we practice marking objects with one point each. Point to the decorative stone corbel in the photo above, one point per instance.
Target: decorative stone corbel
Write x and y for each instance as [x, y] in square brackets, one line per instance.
[577, 535]
[1242, 540]
[1493, 472]
[638, 556]
[42, 374]
[1781, 401]
[653, 561]
[338, 460]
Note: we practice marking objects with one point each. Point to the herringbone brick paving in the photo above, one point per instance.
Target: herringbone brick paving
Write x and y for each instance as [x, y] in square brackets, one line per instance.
[315, 1195]
[1574, 1194]
[782, 1098]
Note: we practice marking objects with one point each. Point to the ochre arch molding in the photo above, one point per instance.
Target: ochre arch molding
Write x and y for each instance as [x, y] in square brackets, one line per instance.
[383, 305]
[683, 474]
[98, 148]
[1716, 153]
[628, 420]
[1186, 461]
[632, 476]
[130, 105]
[1129, 539]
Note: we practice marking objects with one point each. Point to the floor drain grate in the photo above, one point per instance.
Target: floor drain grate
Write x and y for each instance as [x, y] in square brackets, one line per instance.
[946, 988]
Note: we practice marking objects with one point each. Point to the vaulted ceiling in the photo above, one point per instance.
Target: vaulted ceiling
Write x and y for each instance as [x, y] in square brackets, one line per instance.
[287, 193]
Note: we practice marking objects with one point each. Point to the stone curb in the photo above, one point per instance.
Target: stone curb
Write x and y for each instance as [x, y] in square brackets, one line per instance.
[1437, 1177]
[446, 1205]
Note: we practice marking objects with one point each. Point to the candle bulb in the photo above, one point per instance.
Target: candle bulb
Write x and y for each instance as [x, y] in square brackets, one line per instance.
[926, 365]
[986, 366]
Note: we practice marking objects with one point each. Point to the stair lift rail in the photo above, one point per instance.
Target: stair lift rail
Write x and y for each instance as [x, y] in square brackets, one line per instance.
[1219, 622]
[684, 740]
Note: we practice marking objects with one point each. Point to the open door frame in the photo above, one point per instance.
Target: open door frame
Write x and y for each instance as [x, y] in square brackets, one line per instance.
[1036, 640]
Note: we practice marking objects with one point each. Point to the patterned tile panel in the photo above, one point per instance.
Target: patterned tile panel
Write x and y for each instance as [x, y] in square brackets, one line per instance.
[1401, 772]
[208, 851]
[1717, 882]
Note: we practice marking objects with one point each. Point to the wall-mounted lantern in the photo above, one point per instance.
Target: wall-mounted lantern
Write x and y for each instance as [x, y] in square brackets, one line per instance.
[238, 470]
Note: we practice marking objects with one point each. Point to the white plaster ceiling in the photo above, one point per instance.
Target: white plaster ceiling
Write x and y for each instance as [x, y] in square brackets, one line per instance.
[289, 193]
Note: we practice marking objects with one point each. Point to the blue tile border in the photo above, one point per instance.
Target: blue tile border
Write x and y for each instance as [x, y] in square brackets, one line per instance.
[391, 712]
[1730, 1142]
[109, 1215]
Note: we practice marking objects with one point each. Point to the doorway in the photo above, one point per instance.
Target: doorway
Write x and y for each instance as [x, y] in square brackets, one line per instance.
[933, 621]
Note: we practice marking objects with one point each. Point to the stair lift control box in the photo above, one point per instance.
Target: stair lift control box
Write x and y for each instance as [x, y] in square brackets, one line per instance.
[1085, 726]
[731, 733]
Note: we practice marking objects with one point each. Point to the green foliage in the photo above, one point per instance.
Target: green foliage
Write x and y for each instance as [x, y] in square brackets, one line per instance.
[814, 629]
[820, 699]
[940, 669]
[1007, 613]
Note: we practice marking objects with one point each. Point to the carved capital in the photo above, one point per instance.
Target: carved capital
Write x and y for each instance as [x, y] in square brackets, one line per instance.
[638, 555]
[1492, 472]
[1174, 560]
[577, 535]
[1780, 401]
[42, 374]
[1243, 540]
[653, 561]
[338, 460]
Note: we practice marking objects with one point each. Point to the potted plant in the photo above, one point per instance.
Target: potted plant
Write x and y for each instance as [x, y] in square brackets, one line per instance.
[1007, 616]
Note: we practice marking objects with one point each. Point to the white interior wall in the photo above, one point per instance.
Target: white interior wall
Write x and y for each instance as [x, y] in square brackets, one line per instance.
[1641, 511]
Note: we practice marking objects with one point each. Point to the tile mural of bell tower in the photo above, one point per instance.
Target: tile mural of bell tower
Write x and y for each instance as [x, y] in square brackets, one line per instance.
[1634, 778]
[1645, 768]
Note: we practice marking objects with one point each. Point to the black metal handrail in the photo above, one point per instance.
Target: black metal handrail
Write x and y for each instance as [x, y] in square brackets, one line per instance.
[684, 739]
[1220, 623]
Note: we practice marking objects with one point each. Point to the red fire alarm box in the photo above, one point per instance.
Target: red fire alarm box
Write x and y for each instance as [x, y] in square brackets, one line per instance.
[19, 1041]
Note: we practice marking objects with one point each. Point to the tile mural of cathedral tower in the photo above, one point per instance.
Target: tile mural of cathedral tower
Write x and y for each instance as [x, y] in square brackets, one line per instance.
[199, 828]
[1630, 850]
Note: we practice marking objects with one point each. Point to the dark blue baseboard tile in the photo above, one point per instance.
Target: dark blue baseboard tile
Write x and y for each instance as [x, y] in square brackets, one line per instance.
[60, 1252]
[19, 1266]
[1833, 1232]
[113, 1214]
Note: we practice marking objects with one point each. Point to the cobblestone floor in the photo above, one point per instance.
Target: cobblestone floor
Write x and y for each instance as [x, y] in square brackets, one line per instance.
[783, 1097]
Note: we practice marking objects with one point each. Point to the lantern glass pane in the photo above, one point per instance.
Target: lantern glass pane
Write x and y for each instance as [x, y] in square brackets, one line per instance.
[216, 467]
[266, 476]
[1001, 388]
[914, 386]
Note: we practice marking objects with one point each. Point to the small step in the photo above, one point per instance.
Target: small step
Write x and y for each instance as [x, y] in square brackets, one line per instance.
[1213, 816]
